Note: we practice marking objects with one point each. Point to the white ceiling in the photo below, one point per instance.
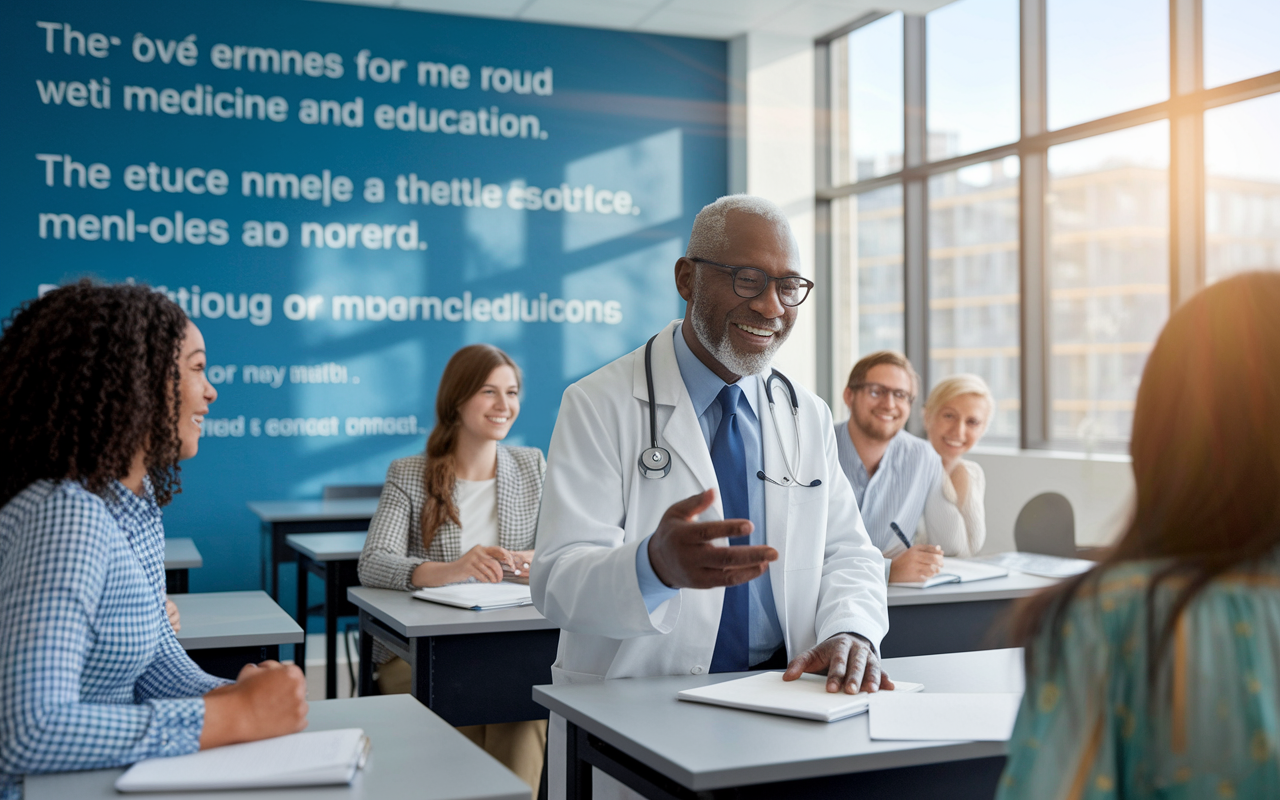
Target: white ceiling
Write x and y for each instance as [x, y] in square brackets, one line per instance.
[713, 19]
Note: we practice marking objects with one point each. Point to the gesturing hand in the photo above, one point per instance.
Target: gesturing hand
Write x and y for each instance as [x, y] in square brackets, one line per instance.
[848, 662]
[682, 555]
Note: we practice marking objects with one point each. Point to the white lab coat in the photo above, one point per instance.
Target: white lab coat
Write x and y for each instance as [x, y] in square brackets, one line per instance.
[597, 508]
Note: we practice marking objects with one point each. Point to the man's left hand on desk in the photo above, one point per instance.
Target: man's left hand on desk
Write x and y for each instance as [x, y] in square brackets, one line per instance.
[848, 661]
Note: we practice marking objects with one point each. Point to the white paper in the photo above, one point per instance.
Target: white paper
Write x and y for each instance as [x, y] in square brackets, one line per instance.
[478, 596]
[301, 759]
[958, 570]
[1042, 565]
[767, 693]
[943, 717]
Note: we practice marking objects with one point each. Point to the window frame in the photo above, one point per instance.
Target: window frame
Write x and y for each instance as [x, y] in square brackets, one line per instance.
[1185, 109]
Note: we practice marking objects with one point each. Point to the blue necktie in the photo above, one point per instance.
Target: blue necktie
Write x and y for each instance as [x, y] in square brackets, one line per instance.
[729, 458]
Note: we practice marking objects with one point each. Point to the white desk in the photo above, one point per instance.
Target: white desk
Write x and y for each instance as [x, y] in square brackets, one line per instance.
[223, 631]
[955, 617]
[414, 754]
[281, 518]
[180, 555]
[639, 733]
[333, 558]
[447, 648]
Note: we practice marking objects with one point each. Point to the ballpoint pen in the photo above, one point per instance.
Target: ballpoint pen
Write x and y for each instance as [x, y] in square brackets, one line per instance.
[902, 537]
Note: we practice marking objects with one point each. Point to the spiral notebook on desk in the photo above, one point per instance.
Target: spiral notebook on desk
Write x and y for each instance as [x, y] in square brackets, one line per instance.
[314, 758]
[478, 596]
[958, 570]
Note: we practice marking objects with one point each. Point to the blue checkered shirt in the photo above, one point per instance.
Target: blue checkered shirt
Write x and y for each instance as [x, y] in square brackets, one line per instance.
[91, 673]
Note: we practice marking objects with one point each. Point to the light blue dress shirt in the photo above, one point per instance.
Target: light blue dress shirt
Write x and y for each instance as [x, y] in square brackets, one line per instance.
[703, 386]
[909, 470]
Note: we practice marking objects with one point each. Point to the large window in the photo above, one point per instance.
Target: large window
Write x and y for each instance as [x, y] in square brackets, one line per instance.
[1023, 189]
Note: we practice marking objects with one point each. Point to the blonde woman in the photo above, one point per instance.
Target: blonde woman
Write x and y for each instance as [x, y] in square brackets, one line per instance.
[462, 511]
[956, 416]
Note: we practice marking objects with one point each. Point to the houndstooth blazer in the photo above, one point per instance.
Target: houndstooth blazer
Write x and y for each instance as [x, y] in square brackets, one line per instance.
[393, 549]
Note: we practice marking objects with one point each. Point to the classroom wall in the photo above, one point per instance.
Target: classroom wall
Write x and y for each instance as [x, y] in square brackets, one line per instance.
[322, 378]
[1100, 488]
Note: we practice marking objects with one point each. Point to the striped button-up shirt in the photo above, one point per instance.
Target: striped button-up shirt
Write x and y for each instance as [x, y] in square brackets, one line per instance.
[908, 472]
[91, 673]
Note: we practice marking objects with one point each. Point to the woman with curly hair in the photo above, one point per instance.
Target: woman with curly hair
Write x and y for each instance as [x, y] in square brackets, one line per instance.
[465, 510]
[102, 393]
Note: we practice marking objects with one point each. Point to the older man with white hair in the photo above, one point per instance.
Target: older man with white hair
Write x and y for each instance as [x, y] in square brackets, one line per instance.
[695, 517]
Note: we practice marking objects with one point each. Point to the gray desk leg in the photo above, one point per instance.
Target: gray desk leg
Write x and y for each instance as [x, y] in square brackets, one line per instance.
[300, 614]
[331, 599]
[577, 769]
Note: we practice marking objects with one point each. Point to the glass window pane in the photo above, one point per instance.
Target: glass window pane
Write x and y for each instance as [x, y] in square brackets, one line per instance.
[1242, 187]
[1105, 57]
[867, 260]
[1240, 40]
[973, 96]
[1108, 274]
[973, 284]
[871, 104]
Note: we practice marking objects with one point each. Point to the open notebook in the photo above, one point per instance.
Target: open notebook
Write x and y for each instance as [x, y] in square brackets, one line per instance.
[959, 570]
[316, 758]
[478, 596]
[806, 698]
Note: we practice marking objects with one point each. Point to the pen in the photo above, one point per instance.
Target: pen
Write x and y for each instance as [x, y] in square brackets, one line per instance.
[902, 537]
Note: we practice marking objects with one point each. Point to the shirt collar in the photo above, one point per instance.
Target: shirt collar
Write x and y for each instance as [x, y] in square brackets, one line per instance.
[703, 384]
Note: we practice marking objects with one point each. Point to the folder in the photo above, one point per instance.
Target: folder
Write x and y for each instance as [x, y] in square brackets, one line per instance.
[478, 596]
[318, 758]
[958, 570]
[806, 697]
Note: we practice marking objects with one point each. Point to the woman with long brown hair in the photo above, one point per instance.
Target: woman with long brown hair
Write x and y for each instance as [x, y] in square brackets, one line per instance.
[1155, 674]
[465, 510]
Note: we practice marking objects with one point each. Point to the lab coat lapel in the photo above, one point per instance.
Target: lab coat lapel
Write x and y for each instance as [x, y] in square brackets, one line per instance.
[681, 434]
[777, 500]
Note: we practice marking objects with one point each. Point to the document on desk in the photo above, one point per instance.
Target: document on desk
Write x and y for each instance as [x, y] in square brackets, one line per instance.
[958, 570]
[478, 596]
[943, 716]
[1041, 565]
[316, 758]
[806, 698]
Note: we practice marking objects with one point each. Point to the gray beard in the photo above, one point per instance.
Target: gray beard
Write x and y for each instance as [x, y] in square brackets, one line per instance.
[737, 363]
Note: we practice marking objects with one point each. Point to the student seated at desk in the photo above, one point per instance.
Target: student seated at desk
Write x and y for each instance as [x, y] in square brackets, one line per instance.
[466, 510]
[102, 392]
[955, 416]
[1154, 675]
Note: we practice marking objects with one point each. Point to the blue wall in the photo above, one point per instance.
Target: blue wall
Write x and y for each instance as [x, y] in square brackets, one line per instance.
[335, 400]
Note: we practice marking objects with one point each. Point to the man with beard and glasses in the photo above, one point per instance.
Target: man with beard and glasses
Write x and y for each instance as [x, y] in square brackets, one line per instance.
[634, 568]
[897, 477]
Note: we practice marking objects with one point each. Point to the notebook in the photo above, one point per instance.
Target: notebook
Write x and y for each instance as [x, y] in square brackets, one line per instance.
[478, 596]
[806, 698]
[958, 570]
[943, 717]
[316, 758]
[1041, 565]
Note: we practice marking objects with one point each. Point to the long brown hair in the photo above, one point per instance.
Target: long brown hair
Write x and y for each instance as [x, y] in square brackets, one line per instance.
[464, 375]
[1206, 455]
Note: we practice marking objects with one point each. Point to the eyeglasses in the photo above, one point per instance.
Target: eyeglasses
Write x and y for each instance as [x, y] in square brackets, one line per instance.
[878, 390]
[751, 282]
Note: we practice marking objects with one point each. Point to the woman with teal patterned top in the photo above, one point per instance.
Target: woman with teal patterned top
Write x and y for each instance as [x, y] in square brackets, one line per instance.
[1157, 674]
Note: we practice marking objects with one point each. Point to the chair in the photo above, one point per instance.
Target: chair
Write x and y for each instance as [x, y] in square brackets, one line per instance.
[352, 491]
[1046, 525]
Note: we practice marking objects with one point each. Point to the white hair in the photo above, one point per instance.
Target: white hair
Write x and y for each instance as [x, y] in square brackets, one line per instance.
[708, 238]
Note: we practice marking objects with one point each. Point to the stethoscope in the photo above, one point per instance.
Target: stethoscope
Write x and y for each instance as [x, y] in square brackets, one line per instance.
[655, 462]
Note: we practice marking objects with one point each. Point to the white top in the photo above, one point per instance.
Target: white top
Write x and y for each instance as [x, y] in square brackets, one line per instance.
[478, 512]
[965, 530]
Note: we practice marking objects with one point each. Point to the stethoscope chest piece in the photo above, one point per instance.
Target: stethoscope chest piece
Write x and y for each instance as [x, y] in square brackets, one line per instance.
[655, 463]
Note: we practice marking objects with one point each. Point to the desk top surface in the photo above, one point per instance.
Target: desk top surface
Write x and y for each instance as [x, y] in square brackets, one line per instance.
[413, 618]
[414, 753]
[707, 747]
[328, 546]
[314, 510]
[1010, 587]
[181, 553]
[233, 619]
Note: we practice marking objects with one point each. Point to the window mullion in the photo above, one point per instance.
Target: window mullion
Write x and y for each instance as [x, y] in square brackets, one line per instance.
[1033, 352]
